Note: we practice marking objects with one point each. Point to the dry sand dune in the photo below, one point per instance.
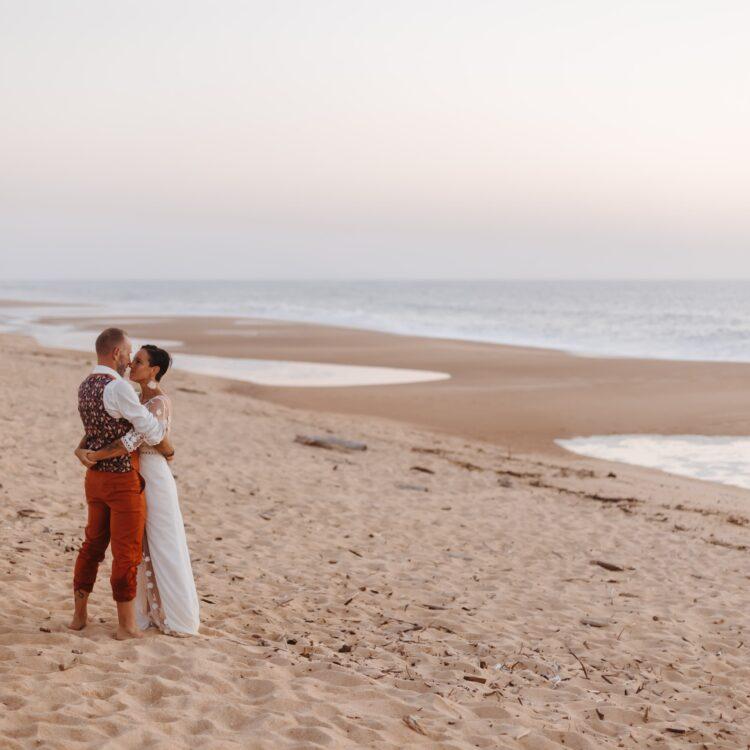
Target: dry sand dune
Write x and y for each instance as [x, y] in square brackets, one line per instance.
[428, 592]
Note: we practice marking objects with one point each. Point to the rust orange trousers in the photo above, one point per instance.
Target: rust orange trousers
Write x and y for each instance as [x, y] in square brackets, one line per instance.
[116, 514]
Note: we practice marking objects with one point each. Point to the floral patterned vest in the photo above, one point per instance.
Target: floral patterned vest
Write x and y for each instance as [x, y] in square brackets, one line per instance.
[101, 429]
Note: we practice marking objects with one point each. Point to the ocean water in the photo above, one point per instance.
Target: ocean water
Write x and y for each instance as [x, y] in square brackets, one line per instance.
[657, 319]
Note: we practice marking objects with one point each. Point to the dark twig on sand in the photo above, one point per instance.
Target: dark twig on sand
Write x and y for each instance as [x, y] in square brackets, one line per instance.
[608, 566]
[583, 666]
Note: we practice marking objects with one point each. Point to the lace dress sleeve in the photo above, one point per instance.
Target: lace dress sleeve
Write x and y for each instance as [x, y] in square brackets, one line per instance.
[161, 408]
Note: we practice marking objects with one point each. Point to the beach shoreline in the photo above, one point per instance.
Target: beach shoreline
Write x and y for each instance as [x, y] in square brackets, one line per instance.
[521, 398]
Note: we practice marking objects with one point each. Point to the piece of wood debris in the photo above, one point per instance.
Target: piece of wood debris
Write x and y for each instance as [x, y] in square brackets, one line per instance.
[466, 465]
[608, 566]
[29, 513]
[330, 443]
[593, 622]
[737, 520]
[583, 666]
[413, 724]
[727, 545]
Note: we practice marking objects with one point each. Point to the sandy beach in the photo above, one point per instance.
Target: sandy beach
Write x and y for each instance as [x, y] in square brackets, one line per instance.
[432, 591]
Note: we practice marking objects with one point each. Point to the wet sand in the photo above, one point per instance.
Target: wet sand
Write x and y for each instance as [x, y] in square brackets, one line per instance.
[517, 397]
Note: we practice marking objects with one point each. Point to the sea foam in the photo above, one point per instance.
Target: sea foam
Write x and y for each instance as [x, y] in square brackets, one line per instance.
[715, 459]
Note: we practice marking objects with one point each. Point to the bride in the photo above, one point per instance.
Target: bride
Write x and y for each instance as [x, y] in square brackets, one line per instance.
[166, 597]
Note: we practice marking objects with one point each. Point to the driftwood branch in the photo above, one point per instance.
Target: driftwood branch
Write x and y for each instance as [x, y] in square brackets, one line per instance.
[330, 443]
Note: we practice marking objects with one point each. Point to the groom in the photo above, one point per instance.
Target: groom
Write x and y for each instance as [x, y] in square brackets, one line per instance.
[109, 408]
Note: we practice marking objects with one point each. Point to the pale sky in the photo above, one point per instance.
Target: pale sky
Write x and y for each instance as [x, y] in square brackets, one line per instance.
[353, 139]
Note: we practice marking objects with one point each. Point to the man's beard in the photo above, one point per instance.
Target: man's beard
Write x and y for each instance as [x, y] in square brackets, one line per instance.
[122, 369]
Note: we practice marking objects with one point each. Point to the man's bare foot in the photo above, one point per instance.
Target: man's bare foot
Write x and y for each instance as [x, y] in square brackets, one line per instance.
[79, 621]
[127, 626]
[125, 634]
[80, 610]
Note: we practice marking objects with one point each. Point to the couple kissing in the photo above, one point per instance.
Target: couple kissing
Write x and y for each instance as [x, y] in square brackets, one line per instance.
[131, 494]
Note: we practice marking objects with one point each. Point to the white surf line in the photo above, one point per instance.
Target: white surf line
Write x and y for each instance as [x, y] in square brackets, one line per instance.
[267, 372]
[715, 459]
[296, 374]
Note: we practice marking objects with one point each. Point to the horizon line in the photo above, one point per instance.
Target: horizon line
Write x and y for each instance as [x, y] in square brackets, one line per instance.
[598, 279]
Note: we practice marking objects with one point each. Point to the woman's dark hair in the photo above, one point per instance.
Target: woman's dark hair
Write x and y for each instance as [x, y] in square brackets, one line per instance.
[158, 358]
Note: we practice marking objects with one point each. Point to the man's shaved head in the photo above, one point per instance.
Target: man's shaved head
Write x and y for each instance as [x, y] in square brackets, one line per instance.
[108, 339]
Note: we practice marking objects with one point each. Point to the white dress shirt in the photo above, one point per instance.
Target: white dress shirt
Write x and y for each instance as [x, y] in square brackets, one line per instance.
[121, 402]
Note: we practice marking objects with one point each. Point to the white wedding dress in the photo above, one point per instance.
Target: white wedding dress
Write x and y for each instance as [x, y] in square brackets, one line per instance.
[166, 597]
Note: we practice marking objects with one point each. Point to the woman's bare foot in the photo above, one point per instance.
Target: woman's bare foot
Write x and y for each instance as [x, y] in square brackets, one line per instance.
[125, 634]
